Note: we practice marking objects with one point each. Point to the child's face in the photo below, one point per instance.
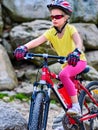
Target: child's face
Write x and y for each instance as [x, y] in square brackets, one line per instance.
[58, 17]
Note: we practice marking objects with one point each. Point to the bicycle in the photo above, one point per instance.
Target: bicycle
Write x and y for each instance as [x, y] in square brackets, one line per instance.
[40, 98]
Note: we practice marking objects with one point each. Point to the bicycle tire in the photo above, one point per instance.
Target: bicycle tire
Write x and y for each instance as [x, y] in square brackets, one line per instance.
[31, 111]
[92, 87]
[37, 113]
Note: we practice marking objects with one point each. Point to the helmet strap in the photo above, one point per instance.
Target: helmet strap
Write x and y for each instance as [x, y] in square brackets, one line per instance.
[60, 31]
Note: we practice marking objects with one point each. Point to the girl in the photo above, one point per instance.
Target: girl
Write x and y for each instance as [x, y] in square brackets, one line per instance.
[66, 41]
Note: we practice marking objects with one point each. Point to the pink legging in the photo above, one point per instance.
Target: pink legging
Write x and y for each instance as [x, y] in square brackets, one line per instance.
[68, 72]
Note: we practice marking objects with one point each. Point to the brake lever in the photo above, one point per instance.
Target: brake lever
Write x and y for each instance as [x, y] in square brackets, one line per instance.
[62, 61]
[28, 56]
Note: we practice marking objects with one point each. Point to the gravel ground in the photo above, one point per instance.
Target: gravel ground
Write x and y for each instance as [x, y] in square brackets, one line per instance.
[23, 108]
[53, 113]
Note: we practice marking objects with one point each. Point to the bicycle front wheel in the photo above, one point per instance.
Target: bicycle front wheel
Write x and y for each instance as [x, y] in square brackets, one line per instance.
[88, 106]
[37, 114]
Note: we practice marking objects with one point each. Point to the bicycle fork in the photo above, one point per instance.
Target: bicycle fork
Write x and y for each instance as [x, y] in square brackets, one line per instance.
[46, 100]
[46, 110]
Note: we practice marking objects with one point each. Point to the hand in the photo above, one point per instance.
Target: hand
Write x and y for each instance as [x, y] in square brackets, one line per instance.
[20, 52]
[74, 57]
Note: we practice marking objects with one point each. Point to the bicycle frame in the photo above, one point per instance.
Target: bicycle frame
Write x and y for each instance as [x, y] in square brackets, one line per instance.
[46, 78]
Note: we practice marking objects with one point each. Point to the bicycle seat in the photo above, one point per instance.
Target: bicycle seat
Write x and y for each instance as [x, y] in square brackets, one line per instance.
[86, 70]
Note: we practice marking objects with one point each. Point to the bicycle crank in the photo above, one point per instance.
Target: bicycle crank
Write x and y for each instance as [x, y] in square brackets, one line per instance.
[67, 125]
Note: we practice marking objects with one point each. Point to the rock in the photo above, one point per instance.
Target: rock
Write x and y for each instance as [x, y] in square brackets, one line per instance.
[92, 58]
[10, 119]
[26, 9]
[8, 79]
[1, 22]
[88, 11]
[25, 88]
[88, 33]
[27, 31]
[38, 9]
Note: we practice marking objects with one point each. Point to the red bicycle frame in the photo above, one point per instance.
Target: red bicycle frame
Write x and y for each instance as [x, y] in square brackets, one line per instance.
[47, 76]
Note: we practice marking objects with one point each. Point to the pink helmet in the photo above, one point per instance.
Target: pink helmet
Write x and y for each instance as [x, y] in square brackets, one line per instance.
[61, 4]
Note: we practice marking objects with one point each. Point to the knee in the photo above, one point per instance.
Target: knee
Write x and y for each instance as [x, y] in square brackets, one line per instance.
[63, 75]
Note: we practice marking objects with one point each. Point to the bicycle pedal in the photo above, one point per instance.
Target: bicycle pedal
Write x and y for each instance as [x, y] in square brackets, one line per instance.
[73, 114]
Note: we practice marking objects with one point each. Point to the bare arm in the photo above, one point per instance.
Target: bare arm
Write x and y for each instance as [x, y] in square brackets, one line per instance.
[36, 42]
[77, 40]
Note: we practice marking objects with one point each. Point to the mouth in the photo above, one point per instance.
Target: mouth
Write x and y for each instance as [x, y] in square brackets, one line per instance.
[55, 23]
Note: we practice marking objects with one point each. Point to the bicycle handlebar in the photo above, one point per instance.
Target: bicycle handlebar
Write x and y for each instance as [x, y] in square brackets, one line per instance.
[61, 59]
[45, 55]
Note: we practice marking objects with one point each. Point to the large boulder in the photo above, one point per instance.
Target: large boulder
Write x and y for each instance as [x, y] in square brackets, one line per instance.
[27, 31]
[85, 11]
[11, 119]
[89, 34]
[8, 79]
[92, 58]
[24, 10]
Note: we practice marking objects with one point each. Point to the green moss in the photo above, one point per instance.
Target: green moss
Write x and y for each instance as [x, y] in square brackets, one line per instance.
[11, 98]
[20, 96]
[53, 102]
[2, 95]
